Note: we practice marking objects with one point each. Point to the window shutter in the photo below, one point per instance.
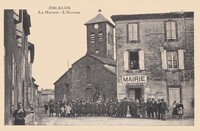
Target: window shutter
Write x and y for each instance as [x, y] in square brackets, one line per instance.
[19, 29]
[168, 30]
[164, 58]
[141, 60]
[181, 59]
[130, 32]
[135, 32]
[126, 61]
[173, 30]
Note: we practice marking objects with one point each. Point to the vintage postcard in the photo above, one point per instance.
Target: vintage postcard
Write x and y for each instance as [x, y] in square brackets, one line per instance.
[100, 63]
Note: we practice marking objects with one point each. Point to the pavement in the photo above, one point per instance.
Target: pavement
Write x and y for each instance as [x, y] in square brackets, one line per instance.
[44, 119]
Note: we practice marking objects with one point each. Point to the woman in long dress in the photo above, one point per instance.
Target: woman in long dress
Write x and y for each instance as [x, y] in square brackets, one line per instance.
[174, 111]
[19, 115]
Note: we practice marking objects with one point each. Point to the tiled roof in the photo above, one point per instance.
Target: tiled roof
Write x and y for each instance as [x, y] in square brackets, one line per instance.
[152, 16]
[99, 18]
[104, 60]
[112, 69]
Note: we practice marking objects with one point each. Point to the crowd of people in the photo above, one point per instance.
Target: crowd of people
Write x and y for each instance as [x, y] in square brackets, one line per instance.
[113, 108]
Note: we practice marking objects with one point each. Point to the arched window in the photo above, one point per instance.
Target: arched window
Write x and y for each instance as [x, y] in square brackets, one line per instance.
[89, 73]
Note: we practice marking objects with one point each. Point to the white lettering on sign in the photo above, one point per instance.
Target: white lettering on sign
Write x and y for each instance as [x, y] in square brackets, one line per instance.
[134, 79]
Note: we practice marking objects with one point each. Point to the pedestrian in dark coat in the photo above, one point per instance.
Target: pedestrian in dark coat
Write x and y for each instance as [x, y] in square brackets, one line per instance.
[19, 115]
[131, 106]
[163, 109]
[57, 109]
[124, 107]
[148, 108]
[46, 107]
[104, 109]
[154, 108]
[78, 106]
[159, 109]
[143, 108]
[111, 108]
[51, 108]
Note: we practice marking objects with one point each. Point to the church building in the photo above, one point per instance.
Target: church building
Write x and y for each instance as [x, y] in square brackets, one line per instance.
[94, 75]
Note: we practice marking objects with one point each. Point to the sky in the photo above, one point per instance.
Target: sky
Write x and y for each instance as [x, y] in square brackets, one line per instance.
[60, 39]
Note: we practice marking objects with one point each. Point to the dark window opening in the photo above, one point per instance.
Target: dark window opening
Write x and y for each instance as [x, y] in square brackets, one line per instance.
[134, 60]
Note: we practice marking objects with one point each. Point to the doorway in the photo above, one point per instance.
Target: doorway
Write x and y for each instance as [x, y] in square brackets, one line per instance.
[134, 94]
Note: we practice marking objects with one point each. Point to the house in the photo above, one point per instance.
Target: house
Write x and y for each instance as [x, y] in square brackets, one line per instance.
[155, 57]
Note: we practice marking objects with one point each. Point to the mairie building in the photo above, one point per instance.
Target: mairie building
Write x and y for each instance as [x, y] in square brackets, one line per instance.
[155, 57]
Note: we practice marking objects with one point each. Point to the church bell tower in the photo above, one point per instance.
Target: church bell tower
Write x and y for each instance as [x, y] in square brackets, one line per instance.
[100, 37]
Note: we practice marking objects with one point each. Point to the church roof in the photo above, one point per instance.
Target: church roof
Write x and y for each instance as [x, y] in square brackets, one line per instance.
[112, 69]
[104, 60]
[97, 19]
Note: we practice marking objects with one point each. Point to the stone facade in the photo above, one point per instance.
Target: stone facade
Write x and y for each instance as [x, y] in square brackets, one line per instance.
[75, 83]
[154, 77]
[19, 56]
[92, 76]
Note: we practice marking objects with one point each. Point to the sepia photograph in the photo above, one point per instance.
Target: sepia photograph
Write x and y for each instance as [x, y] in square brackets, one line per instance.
[99, 64]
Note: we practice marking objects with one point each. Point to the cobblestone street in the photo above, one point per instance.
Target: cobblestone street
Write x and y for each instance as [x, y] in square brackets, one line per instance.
[44, 119]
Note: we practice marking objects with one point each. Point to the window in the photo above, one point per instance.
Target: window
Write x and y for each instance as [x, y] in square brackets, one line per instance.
[110, 38]
[172, 60]
[89, 73]
[171, 30]
[134, 60]
[92, 38]
[100, 36]
[133, 32]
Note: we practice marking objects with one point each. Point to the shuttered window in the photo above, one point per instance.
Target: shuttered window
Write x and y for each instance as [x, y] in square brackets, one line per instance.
[141, 60]
[171, 30]
[172, 59]
[133, 32]
[126, 60]
[134, 60]
[100, 36]
[92, 38]
[164, 58]
[181, 59]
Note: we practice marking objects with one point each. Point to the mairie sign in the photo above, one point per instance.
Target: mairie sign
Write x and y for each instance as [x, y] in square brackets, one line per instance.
[134, 79]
